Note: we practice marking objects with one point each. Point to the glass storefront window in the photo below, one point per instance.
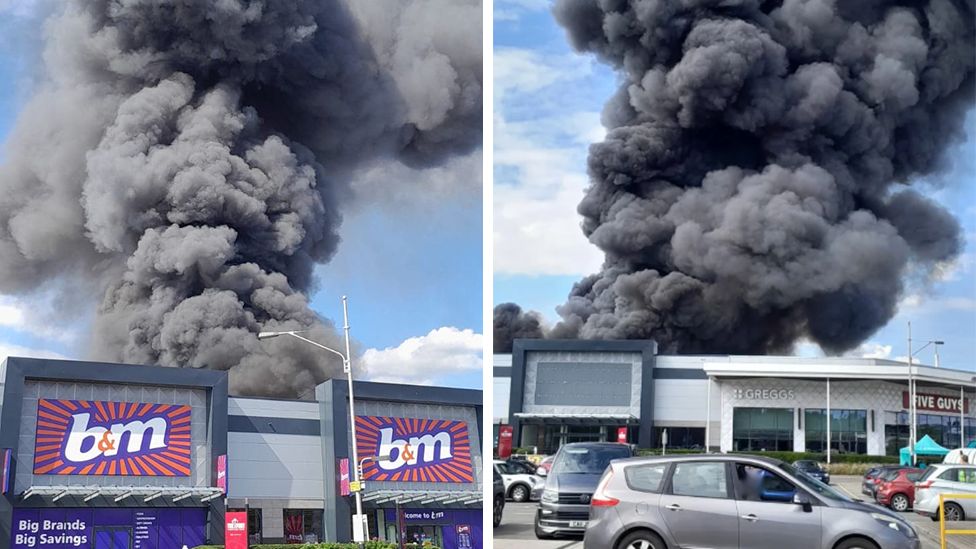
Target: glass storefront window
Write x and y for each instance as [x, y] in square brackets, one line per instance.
[303, 525]
[683, 438]
[254, 526]
[762, 429]
[942, 429]
[848, 430]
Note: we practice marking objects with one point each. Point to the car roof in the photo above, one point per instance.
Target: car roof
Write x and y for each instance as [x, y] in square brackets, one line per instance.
[745, 458]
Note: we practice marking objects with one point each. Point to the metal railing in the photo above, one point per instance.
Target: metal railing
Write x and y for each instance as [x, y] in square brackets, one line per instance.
[942, 521]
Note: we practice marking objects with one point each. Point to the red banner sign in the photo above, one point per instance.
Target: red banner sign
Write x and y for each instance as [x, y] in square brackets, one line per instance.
[344, 477]
[235, 530]
[622, 434]
[504, 441]
[934, 403]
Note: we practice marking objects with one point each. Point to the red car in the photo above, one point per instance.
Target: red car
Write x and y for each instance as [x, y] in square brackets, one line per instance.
[897, 489]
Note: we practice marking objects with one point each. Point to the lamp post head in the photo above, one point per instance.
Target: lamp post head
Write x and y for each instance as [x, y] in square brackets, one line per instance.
[268, 335]
[938, 343]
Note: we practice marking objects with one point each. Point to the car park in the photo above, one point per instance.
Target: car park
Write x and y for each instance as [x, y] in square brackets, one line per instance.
[565, 503]
[520, 483]
[947, 479]
[897, 489]
[732, 501]
[813, 469]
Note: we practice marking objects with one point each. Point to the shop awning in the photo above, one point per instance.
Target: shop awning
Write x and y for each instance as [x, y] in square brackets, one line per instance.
[577, 419]
[389, 498]
[121, 494]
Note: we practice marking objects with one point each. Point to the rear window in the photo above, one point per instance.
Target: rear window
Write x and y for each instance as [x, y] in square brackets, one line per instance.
[914, 476]
[928, 473]
[645, 478]
[587, 459]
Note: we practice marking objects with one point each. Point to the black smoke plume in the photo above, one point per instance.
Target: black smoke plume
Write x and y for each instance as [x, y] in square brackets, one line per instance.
[188, 161]
[511, 323]
[754, 184]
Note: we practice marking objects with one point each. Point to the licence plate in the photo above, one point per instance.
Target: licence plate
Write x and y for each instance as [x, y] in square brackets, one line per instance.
[577, 524]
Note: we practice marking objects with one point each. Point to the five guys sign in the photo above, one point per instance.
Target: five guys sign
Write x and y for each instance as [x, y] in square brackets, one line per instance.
[934, 403]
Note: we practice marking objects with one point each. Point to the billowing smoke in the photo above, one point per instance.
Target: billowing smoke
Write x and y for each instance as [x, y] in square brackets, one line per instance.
[188, 162]
[754, 184]
[511, 323]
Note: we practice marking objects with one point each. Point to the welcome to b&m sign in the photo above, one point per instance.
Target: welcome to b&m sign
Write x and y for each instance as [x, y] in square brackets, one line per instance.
[420, 450]
[83, 437]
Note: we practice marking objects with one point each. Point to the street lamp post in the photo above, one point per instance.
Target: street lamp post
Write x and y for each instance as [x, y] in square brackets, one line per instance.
[359, 536]
[912, 407]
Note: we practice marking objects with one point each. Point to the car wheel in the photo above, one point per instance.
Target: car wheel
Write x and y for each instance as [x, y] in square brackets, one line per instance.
[539, 534]
[954, 512]
[520, 493]
[899, 502]
[642, 539]
[856, 543]
[498, 507]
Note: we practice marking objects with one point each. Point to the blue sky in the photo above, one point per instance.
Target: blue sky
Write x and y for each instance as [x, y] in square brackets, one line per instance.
[546, 111]
[410, 261]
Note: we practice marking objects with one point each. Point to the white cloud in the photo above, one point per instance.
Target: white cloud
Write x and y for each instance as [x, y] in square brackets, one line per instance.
[431, 358]
[540, 173]
[871, 349]
[7, 350]
[27, 317]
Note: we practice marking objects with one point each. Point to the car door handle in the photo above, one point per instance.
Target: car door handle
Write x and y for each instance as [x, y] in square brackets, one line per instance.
[750, 517]
[673, 507]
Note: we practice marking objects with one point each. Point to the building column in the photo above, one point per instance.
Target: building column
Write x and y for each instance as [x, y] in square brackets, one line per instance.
[799, 431]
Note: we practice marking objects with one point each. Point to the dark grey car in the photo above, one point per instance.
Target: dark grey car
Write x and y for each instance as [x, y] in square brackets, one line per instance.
[565, 503]
[732, 502]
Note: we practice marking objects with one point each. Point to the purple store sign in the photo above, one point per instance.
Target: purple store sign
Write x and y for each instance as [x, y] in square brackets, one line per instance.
[148, 528]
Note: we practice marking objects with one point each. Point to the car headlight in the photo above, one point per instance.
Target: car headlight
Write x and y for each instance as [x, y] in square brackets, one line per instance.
[550, 497]
[895, 524]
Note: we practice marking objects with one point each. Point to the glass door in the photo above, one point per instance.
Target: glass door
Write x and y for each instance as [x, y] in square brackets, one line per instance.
[113, 537]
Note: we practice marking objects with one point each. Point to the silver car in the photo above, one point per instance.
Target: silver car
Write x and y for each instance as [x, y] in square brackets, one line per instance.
[732, 502]
[946, 478]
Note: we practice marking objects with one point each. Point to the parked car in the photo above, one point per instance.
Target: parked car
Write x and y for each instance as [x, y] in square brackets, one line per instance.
[732, 502]
[872, 478]
[576, 469]
[813, 469]
[498, 501]
[545, 465]
[946, 478]
[897, 489]
[519, 484]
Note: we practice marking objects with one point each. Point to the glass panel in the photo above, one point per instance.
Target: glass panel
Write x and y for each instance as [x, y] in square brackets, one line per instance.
[759, 429]
[699, 480]
[645, 478]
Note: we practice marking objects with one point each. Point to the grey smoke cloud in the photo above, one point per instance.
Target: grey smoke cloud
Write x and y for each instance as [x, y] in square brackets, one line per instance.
[511, 323]
[754, 184]
[190, 162]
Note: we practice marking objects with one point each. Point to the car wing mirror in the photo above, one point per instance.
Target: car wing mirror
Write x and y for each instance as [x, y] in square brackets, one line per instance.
[803, 501]
[541, 471]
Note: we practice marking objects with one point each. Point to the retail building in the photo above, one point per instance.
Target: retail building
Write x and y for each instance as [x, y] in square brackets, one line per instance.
[558, 391]
[117, 457]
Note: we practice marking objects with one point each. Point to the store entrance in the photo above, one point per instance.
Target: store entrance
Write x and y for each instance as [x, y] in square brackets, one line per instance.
[418, 534]
[112, 537]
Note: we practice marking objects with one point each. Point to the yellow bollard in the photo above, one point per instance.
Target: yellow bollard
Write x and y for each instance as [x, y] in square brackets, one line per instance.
[942, 522]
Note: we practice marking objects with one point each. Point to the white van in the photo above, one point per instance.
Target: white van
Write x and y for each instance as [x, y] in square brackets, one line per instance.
[955, 456]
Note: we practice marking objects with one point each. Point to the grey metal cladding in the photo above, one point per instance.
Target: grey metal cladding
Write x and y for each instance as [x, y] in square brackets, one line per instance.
[583, 384]
[274, 425]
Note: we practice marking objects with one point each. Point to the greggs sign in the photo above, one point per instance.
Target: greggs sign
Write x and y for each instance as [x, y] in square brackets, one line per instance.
[82, 437]
[420, 450]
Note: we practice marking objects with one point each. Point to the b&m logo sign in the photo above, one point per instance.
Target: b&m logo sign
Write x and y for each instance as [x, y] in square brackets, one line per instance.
[81, 437]
[420, 450]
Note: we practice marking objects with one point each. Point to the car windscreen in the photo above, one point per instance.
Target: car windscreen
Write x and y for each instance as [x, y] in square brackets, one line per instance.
[814, 485]
[587, 459]
[807, 466]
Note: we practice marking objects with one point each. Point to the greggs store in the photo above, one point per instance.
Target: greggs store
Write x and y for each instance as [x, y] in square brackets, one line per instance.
[110, 456]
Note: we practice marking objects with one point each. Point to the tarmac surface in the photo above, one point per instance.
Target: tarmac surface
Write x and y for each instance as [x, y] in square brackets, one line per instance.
[516, 530]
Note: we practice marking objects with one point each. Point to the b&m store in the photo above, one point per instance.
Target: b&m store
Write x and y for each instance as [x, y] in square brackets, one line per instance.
[112, 456]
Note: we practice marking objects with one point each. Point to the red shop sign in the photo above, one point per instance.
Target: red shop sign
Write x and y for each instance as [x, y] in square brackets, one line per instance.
[934, 403]
[504, 441]
[235, 530]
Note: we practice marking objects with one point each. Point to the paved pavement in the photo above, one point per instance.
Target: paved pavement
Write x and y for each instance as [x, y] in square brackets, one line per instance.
[516, 530]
